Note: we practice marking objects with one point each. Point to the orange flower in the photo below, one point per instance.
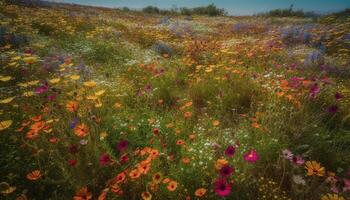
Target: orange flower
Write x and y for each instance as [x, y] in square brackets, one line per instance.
[220, 163]
[166, 180]
[146, 196]
[187, 114]
[83, 194]
[34, 175]
[134, 174]
[37, 126]
[314, 168]
[157, 178]
[154, 153]
[72, 106]
[144, 167]
[81, 130]
[216, 123]
[31, 134]
[36, 118]
[200, 192]
[192, 136]
[180, 142]
[115, 188]
[186, 160]
[255, 125]
[172, 185]
[120, 177]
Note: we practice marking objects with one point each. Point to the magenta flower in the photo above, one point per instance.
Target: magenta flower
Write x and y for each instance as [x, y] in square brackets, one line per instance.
[73, 149]
[230, 151]
[338, 96]
[124, 158]
[105, 159]
[42, 89]
[298, 160]
[122, 145]
[314, 90]
[251, 156]
[226, 171]
[222, 188]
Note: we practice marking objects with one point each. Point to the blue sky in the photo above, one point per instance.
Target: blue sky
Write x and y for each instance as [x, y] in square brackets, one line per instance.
[235, 7]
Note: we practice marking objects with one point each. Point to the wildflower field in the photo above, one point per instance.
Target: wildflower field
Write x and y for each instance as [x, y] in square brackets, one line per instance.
[99, 103]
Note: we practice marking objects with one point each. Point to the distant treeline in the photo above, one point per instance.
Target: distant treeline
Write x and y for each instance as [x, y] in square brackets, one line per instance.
[288, 13]
[210, 10]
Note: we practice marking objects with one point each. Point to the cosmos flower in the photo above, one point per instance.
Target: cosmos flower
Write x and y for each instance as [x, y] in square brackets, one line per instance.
[333, 109]
[226, 171]
[222, 188]
[251, 156]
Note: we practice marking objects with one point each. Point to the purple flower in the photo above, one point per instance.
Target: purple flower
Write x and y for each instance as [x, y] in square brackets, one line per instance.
[73, 123]
[222, 188]
[226, 171]
[230, 151]
[105, 159]
[122, 145]
[333, 109]
[314, 90]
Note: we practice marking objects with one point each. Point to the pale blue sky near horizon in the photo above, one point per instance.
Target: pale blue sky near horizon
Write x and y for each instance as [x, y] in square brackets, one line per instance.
[234, 7]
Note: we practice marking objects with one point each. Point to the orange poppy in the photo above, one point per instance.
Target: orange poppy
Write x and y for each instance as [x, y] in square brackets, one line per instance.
[172, 185]
[34, 175]
[134, 174]
[200, 192]
[72, 106]
[103, 195]
[83, 194]
[81, 130]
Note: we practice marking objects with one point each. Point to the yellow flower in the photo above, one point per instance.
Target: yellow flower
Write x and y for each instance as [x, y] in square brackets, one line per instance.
[30, 60]
[5, 101]
[332, 197]
[5, 124]
[146, 196]
[90, 84]
[314, 168]
[75, 77]
[5, 78]
[55, 80]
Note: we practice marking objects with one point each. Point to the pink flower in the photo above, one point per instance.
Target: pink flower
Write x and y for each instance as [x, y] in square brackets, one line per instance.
[251, 156]
[222, 188]
[346, 185]
[298, 160]
[105, 159]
